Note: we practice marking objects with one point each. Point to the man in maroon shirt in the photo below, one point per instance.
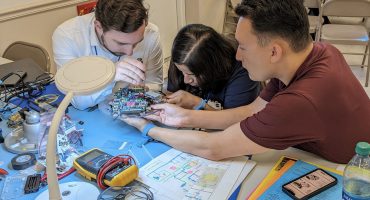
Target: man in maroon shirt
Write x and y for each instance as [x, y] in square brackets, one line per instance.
[313, 101]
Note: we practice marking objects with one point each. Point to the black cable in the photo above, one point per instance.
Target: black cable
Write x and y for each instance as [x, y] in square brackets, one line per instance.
[137, 191]
[4, 79]
[22, 89]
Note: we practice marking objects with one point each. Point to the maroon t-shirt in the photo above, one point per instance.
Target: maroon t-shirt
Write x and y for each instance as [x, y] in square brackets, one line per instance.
[323, 110]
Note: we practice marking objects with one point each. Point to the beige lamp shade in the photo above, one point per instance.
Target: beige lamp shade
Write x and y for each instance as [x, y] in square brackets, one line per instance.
[85, 75]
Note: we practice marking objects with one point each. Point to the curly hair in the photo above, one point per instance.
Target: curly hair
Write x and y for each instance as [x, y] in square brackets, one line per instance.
[121, 15]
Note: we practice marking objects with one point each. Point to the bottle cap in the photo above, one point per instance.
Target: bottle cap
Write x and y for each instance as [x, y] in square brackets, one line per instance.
[363, 148]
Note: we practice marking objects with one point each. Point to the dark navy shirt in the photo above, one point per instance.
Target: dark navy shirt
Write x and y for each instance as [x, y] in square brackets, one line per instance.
[239, 90]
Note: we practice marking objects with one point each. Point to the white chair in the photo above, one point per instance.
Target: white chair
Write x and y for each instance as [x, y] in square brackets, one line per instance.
[347, 34]
[313, 20]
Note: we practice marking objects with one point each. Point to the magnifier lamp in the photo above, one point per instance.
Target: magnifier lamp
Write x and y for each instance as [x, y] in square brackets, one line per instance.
[81, 76]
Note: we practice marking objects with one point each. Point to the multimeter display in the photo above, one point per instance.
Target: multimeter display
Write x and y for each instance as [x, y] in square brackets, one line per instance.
[93, 160]
[91, 163]
[91, 156]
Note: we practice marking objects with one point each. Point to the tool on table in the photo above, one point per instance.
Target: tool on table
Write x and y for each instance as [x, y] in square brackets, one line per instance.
[141, 60]
[106, 169]
[23, 161]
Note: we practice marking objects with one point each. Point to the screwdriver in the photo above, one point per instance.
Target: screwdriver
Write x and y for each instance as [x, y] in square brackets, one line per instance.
[141, 60]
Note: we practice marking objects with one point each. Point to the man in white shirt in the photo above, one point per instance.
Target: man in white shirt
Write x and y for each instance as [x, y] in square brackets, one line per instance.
[118, 30]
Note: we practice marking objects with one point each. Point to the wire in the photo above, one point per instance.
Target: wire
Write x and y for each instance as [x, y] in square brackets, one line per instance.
[6, 77]
[60, 176]
[24, 90]
[140, 191]
[110, 164]
[7, 99]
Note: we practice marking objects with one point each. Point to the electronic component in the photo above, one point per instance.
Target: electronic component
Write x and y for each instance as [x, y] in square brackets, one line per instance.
[129, 101]
[134, 101]
[15, 120]
[32, 183]
[96, 165]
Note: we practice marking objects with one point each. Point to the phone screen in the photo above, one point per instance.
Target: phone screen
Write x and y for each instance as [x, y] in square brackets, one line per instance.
[309, 184]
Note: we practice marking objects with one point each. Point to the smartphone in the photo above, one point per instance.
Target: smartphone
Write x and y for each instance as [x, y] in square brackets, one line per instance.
[14, 79]
[309, 185]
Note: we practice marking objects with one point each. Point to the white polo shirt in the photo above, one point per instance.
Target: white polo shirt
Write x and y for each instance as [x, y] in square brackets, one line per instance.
[76, 37]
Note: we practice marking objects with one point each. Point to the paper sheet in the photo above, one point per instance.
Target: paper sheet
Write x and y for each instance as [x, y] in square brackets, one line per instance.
[178, 175]
[249, 165]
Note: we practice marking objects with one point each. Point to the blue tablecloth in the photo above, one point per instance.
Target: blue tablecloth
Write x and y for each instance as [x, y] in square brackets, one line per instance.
[100, 131]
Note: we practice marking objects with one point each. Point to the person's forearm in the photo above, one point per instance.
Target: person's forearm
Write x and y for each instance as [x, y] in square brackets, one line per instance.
[223, 119]
[217, 119]
[189, 141]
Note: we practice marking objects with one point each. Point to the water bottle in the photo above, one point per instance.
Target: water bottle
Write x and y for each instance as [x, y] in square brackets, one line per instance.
[356, 177]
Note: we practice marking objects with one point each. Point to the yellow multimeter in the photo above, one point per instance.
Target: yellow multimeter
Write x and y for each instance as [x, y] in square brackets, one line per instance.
[89, 164]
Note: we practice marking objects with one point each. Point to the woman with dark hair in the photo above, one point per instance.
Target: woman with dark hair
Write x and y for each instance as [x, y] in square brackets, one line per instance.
[203, 69]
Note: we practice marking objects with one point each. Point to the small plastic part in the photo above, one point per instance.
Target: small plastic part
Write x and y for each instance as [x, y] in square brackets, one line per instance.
[32, 183]
[3, 172]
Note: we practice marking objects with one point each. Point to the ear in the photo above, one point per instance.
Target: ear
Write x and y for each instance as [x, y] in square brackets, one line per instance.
[276, 52]
[98, 27]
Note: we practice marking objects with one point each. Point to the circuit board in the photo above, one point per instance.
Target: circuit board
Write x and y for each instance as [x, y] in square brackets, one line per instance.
[134, 101]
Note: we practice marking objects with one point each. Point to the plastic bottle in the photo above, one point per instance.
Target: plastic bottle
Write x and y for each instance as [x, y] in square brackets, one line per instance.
[356, 177]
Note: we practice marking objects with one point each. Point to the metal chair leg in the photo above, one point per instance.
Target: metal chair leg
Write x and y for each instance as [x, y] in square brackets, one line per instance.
[363, 60]
[368, 69]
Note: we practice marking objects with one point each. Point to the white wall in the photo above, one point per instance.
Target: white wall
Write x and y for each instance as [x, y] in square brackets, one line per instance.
[35, 20]
[34, 24]
[163, 13]
[208, 12]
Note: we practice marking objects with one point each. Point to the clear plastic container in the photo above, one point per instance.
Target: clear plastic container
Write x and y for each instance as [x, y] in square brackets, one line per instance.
[356, 177]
